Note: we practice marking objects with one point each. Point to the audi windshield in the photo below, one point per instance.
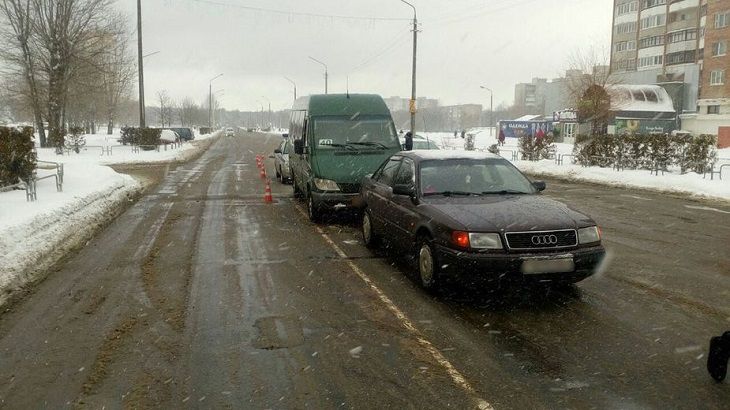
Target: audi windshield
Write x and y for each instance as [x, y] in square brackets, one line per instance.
[472, 177]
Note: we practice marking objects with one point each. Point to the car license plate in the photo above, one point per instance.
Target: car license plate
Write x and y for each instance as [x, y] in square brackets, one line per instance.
[548, 265]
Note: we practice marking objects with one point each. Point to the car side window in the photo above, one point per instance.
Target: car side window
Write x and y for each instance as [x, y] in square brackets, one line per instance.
[285, 147]
[387, 174]
[406, 173]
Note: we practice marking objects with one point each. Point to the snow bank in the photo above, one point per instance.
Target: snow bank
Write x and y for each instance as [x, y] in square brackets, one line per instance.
[35, 235]
[691, 183]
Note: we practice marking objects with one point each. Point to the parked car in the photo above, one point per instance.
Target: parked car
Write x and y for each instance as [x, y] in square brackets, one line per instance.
[281, 161]
[186, 134]
[230, 132]
[420, 142]
[168, 136]
[471, 213]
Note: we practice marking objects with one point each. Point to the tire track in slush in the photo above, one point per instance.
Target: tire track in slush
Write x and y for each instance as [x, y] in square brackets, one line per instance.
[456, 376]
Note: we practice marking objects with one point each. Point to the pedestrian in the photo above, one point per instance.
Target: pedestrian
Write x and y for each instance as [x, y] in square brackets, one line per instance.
[409, 141]
[463, 133]
[718, 356]
[501, 138]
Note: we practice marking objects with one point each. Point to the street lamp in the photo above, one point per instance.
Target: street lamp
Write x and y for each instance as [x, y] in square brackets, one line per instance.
[210, 99]
[412, 106]
[140, 66]
[269, 101]
[326, 74]
[215, 93]
[295, 86]
[491, 108]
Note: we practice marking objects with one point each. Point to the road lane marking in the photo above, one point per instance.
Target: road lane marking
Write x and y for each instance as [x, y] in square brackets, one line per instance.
[149, 239]
[637, 197]
[455, 375]
[707, 208]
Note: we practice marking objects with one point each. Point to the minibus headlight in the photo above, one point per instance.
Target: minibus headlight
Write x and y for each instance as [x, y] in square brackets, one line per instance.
[326, 184]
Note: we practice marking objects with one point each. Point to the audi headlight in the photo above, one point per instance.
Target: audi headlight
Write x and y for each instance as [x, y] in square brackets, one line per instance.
[589, 235]
[485, 241]
[326, 184]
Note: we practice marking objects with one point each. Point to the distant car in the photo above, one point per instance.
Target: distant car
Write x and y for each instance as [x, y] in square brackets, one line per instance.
[420, 142]
[186, 134]
[168, 136]
[471, 213]
[281, 161]
[230, 132]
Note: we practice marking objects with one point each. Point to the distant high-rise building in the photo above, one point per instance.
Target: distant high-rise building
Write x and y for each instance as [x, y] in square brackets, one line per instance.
[679, 44]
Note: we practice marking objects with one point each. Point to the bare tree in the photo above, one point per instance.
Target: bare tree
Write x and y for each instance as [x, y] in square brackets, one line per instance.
[589, 81]
[164, 108]
[17, 34]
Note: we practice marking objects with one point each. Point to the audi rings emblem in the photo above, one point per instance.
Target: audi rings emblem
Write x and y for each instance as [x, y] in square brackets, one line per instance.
[544, 240]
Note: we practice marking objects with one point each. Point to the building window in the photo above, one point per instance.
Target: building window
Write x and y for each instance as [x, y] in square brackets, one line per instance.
[650, 61]
[625, 46]
[681, 57]
[624, 28]
[683, 35]
[722, 19]
[645, 4]
[719, 48]
[651, 41]
[653, 21]
[713, 109]
[627, 8]
[717, 77]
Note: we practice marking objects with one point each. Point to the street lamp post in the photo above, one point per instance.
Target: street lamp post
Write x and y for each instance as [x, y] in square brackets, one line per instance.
[140, 66]
[491, 109]
[412, 106]
[215, 93]
[295, 86]
[326, 74]
[210, 100]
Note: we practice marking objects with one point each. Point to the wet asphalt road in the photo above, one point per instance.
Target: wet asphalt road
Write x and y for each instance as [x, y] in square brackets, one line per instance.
[202, 296]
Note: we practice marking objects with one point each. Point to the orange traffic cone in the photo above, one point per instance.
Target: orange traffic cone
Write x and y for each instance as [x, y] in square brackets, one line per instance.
[263, 173]
[267, 193]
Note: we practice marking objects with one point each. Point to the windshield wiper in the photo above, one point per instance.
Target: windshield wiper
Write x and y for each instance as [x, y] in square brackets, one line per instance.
[452, 193]
[505, 192]
[338, 146]
[370, 144]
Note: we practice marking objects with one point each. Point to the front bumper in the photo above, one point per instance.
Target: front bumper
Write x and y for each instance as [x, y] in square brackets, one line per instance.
[337, 200]
[504, 266]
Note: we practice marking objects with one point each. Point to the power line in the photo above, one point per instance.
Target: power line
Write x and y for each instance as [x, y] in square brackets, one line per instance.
[297, 13]
[470, 16]
[397, 41]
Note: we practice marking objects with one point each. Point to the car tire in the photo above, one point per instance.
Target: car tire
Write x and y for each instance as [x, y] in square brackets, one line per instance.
[295, 187]
[315, 214]
[428, 267]
[369, 236]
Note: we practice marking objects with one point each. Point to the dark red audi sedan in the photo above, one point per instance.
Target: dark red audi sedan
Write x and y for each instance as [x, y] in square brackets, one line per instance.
[475, 214]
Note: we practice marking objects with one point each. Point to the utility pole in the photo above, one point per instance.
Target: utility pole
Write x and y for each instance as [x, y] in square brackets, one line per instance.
[326, 74]
[210, 101]
[412, 106]
[491, 108]
[295, 86]
[140, 67]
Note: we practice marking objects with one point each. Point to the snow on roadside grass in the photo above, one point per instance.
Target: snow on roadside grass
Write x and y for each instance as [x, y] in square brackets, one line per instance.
[691, 183]
[35, 235]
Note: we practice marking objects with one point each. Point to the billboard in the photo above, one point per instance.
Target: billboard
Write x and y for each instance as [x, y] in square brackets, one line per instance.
[642, 126]
[517, 129]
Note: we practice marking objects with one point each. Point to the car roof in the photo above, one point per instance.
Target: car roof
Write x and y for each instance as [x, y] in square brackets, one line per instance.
[433, 154]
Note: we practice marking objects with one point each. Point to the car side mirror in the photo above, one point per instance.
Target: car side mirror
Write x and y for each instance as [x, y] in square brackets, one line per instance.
[404, 189]
[539, 185]
[277, 151]
[285, 135]
[299, 147]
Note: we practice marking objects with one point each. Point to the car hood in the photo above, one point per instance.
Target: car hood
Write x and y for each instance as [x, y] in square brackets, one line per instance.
[508, 213]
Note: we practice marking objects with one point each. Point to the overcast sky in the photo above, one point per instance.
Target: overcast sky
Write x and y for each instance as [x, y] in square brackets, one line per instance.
[463, 44]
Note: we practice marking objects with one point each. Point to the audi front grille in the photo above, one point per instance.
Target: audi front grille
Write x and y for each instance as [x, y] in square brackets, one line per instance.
[536, 240]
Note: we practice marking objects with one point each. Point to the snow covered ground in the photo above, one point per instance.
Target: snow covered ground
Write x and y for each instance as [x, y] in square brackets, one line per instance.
[692, 184]
[34, 235]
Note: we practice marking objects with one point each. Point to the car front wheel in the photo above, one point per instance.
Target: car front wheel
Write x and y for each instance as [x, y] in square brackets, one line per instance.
[428, 269]
[369, 237]
[315, 214]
